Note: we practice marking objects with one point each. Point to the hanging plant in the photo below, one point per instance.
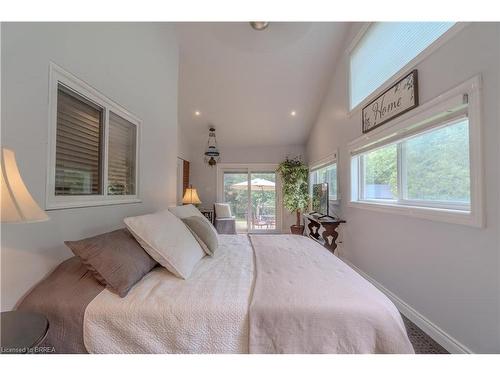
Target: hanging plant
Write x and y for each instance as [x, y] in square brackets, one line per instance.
[294, 173]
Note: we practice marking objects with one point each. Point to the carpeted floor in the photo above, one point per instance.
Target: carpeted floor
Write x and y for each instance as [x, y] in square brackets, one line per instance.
[421, 342]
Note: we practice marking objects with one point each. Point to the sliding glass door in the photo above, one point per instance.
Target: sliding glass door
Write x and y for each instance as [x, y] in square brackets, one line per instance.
[236, 194]
[253, 195]
[263, 201]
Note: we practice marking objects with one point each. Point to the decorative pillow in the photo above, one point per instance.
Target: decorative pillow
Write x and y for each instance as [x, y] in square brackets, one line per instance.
[115, 259]
[222, 210]
[187, 210]
[204, 233]
[167, 240]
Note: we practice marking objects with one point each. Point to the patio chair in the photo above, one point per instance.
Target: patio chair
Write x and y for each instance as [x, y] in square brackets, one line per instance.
[258, 222]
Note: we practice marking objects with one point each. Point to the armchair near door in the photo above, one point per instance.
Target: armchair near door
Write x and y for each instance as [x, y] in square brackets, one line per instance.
[224, 222]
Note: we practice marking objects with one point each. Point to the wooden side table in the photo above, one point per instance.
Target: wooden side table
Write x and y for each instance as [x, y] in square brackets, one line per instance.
[329, 236]
[22, 331]
[208, 213]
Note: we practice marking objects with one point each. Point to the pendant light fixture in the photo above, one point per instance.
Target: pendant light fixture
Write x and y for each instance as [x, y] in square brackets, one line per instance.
[212, 154]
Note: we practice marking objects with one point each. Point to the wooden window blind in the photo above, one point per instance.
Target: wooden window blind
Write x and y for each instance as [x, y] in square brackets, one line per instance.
[185, 176]
[121, 156]
[78, 145]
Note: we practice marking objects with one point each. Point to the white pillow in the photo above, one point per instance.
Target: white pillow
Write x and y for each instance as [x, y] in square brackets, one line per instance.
[188, 210]
[185, 211]
[167, 240]
[222, 210]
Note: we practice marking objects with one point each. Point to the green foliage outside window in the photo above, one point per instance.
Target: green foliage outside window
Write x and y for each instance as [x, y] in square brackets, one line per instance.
[436, 166]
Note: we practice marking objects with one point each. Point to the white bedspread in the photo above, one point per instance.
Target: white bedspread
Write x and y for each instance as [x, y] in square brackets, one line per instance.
[306, 300]
[208, 313]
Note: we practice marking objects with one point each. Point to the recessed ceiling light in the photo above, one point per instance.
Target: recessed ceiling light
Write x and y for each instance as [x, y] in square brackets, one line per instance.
[197, 113]
[293, 113]
[259, 25]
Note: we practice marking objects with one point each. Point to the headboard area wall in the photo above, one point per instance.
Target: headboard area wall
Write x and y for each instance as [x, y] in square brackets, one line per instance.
[135, 65]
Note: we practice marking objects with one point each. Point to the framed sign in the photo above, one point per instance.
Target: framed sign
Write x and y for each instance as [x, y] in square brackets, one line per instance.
[393, 102]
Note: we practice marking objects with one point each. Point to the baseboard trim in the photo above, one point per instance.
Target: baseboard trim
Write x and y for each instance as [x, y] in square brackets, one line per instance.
[437, 334]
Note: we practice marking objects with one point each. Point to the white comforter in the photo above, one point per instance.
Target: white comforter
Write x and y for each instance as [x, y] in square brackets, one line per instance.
[305, 301]
[208, 313]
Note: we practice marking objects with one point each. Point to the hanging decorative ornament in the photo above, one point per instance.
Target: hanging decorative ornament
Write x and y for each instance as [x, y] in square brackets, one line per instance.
[212, 154]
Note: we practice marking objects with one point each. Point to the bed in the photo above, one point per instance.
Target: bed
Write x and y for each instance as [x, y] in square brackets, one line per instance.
[257, 294]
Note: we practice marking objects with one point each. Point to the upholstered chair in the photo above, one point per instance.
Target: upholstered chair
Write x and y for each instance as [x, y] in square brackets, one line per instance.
[224, 222]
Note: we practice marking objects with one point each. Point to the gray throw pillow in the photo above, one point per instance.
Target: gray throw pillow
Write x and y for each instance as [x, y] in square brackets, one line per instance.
[204, 232]
[115, 259]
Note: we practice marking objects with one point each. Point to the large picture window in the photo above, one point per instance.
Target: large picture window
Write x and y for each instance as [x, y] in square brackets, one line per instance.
[428, 165]
[93, 153]
[428, 169]
[384, 49]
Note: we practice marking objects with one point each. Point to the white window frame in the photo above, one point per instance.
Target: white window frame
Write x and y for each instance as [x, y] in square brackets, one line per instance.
[419, 121]
[249, 169]
[58, 75]
[325, 162]
[406, 69]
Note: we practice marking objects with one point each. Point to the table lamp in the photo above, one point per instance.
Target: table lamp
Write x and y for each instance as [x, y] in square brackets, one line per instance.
[191, 196]
[17, 205]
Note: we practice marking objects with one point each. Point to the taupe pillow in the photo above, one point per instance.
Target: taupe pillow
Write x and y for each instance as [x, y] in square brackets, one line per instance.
[115, 259]
[204, 233]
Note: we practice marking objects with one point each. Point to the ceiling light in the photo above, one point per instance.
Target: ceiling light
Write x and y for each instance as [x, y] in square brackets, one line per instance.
[293, 113]
[259, 25]
[197, 113]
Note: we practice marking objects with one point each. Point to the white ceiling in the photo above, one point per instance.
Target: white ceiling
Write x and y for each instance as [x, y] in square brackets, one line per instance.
[246, 82]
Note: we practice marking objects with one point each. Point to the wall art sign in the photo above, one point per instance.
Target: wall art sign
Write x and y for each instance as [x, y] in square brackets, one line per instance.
[396, 100]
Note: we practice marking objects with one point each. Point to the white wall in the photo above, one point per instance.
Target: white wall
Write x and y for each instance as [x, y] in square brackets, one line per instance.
[204, 178]
[183, 145]
[447, 273]
[134, 64]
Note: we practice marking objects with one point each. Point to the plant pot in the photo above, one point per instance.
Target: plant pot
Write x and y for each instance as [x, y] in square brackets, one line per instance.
[297, 229]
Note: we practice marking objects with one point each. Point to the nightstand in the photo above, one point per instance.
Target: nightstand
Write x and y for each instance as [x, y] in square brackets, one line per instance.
[208, 213]
[22, 331]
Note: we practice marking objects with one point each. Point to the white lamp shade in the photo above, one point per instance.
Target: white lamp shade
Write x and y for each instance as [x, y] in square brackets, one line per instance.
[17, 205]
[191, 196]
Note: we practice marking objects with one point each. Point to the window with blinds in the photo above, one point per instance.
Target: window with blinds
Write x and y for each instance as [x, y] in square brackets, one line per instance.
[78, 145]
[121, 156]
[93, 146]
[384, 49]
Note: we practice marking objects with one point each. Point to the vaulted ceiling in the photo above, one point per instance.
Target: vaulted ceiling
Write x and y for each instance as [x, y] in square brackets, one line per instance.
[247, 83]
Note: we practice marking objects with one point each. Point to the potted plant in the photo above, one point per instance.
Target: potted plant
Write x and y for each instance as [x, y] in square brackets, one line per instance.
[294, 174]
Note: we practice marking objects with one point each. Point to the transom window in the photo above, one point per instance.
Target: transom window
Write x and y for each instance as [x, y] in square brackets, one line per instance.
[93, 147]
[384, 49]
